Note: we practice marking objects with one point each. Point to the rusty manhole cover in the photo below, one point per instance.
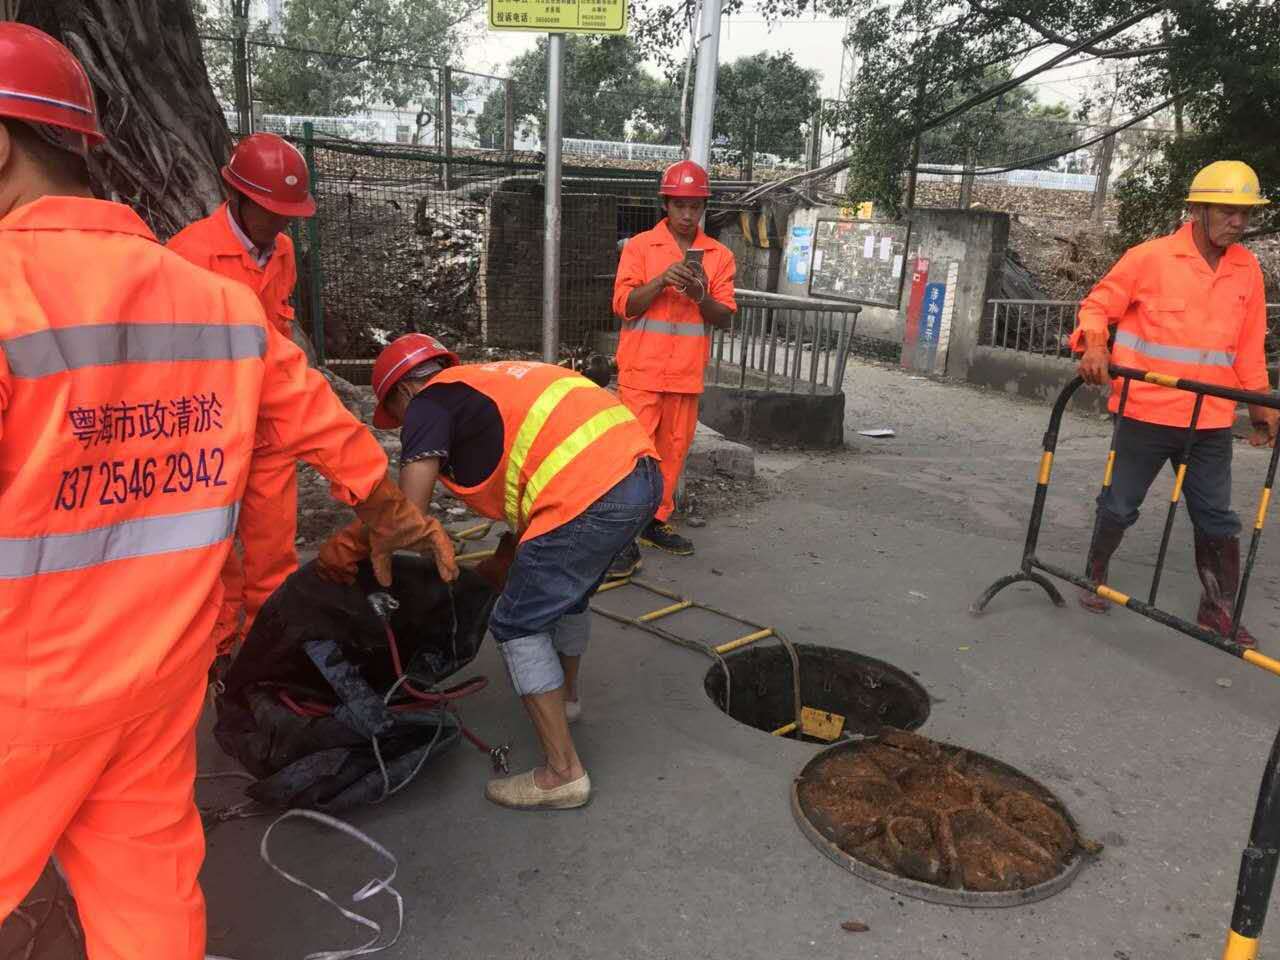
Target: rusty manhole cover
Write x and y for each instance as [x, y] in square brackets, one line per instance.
[937, 822]
[868, 693]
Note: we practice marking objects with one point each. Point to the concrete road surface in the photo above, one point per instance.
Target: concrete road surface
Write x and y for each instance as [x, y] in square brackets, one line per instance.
[688, 849]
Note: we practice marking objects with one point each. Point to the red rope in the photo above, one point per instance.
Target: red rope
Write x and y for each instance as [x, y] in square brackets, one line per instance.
[426, 699]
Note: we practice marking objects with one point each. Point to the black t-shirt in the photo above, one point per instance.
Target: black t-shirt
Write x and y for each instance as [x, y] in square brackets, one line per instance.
[458, 424]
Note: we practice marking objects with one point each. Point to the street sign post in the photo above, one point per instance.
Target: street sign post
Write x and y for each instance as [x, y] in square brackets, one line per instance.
[556, 17]
[559, 16]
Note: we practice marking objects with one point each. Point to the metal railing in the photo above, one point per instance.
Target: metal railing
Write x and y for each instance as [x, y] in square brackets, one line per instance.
[783, 343]
[1043, 327]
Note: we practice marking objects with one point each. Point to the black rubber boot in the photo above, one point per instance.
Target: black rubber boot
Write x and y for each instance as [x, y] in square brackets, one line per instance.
[1106, 538]
[1218, 563]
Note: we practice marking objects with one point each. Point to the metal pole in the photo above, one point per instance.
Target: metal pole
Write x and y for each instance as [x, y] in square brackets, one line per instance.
[315, 273]
[551, 241]
[704, 86]
[509, 117]
[446, 112]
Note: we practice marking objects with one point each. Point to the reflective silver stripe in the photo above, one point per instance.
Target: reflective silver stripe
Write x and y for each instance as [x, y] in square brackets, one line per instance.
[1160, 351]
[70, 348]
[646, 325]
[51, 101]
[148, 537]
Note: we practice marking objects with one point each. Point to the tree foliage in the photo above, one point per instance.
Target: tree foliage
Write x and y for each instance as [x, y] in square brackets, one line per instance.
[339, 56]
[764, 103]
[1218, 61]
[608, 95]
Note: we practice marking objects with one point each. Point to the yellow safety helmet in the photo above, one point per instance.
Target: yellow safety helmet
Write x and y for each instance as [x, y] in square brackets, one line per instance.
[1229, 182]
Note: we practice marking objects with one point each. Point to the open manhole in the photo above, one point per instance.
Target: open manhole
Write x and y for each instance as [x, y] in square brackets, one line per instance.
[937, 822]
[868, 693]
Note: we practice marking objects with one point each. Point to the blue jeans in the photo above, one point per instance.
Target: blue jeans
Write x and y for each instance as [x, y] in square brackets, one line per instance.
[1142, 450]
[554, 575]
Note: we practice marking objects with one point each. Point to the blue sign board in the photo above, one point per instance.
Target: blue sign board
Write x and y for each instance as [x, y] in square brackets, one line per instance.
[935, 295]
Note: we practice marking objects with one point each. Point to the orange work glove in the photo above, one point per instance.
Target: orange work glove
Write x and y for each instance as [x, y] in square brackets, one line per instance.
[396, 524]
[1095, 365]
[494, 569]
[341, 552]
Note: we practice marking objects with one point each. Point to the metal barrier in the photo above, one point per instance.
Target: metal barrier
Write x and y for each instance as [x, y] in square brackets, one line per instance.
[789, 344]
[1258, 863]
[1031, 563]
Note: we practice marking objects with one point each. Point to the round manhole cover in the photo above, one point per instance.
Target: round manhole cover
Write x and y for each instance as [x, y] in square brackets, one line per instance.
[937, 822]
[868, 693]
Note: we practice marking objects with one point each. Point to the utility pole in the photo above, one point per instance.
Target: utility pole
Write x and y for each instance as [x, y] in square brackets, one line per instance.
[551, 211]
[704, 85]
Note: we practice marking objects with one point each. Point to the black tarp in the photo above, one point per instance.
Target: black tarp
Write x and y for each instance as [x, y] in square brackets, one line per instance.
[319, 643]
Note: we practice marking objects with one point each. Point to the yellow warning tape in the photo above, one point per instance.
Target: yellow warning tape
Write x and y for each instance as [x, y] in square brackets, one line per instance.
[785, 729]
[1163, 379]
[1111, 466]
[1262, 508]
[1046, 467]
[1177, 483]
[613, 585]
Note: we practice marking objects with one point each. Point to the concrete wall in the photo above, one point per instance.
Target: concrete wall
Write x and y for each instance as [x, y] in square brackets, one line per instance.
[1026, 375]
[972, 240]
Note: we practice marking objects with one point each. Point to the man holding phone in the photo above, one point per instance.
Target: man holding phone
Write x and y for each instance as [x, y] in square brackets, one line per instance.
[674, 283]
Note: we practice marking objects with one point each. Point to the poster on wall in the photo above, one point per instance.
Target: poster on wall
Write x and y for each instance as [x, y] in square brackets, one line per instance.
[799, 249]
[915, 302]
[927, 326]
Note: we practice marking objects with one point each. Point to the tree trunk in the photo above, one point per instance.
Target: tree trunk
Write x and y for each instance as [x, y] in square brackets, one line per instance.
[166, 134]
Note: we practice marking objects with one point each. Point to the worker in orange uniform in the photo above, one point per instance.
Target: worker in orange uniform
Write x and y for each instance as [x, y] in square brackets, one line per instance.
[1189, 305]
[673, 284]
[246, 240]
[131, 386]
[573, 475]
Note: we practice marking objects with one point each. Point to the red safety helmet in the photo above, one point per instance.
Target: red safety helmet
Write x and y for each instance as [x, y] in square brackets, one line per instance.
[271, 172]
[41, 82]
[396, 361]
[685, 179]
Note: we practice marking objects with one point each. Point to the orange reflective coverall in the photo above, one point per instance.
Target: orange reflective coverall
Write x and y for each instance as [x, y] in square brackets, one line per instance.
[663, 354]
[567, 443]
[131, 384]
[269, 512]
[1174, 314]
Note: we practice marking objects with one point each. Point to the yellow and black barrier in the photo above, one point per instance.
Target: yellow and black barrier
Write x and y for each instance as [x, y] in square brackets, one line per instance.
[1033, 568]
[1257, 866]
[1259, 861]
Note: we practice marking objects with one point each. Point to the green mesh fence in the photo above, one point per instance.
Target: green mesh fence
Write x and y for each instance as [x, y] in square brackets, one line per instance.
[408, 239]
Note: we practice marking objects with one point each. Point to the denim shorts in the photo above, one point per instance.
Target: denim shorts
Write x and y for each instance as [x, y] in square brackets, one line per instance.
[556, 574]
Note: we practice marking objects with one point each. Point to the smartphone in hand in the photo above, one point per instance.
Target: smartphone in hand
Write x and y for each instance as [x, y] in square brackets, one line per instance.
[694, 257]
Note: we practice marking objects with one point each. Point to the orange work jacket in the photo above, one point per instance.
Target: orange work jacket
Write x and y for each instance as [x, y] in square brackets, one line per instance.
[1174, 315]
[212, 243]
[131, 383]
[565, 443]
[666, 350]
